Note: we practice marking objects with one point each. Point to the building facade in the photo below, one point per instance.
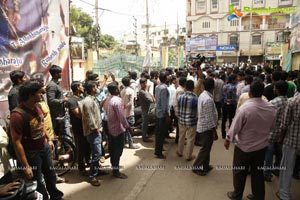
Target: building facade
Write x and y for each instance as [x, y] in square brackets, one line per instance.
[295, 38]
[166, 42]
[232, 31]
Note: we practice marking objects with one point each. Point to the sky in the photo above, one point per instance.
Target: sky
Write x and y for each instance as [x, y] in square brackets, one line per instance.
[160, 12]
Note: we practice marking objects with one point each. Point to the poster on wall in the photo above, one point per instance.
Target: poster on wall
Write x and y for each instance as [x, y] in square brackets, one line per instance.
[295, 39]
[77, 48]
[33, 36]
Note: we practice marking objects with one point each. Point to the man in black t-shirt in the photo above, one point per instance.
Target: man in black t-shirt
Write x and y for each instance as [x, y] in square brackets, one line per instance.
[268, 91]
[83, 149]
[17, 77]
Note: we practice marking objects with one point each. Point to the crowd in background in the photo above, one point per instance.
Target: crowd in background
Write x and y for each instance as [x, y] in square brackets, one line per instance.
[256, 107]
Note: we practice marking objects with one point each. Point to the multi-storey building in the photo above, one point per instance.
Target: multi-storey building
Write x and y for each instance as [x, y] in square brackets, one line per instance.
[295, 38]
[163, 40]
[239, 30]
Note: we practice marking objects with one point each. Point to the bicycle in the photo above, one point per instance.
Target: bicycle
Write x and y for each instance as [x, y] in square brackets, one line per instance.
[64, 155]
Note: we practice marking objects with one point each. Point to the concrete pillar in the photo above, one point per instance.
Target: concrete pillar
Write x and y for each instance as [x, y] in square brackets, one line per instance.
[92, 56]
[164, 56]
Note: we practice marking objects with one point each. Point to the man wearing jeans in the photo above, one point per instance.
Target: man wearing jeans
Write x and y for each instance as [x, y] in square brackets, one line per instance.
[250, 141]
[91, 122]
[290, 127]
[117, 125]
[31, 141]
[274, 148]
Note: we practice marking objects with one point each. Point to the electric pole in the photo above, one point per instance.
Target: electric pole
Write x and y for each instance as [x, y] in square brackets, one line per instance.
[147, 25]
[135, 34]
[250, 30]
[97, 29]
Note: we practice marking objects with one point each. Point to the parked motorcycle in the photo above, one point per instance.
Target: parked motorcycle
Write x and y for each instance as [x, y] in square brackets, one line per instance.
[25, 191]
[138, 117]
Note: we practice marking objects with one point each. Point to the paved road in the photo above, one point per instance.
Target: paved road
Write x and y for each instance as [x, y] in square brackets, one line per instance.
[166, 182]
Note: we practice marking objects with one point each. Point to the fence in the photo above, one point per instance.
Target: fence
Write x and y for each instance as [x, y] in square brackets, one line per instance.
[120, 65]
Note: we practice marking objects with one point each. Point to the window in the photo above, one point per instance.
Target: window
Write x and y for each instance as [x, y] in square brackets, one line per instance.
[200, 5]
[235, 2]
[258, 2]
[233, 40]
[279, 37]
[206, 25]
[256, 39]
[285, 2]
[214, 4]
[234, 22]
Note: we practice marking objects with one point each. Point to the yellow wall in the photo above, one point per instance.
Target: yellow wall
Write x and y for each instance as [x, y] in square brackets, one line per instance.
[165, 58]
[296, 61]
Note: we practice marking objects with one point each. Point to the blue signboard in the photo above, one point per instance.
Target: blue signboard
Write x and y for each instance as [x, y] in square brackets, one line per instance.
[226, 48]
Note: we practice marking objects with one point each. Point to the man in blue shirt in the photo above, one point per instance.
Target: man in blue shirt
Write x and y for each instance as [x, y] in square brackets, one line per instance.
[162, 113]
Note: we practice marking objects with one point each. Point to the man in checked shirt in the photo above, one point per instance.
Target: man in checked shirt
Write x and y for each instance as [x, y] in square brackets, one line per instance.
[206, 127]
[274, 148]
[290, 129]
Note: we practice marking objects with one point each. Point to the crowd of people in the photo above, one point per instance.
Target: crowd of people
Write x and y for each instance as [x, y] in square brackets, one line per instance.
[260, 104]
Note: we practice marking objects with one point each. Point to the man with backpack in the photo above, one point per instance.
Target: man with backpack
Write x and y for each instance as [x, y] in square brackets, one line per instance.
[31, 141]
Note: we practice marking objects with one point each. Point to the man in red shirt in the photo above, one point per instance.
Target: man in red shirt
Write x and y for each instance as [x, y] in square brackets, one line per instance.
[31, 142]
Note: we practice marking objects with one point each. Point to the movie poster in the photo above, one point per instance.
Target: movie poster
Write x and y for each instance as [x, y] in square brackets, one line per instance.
[33, 36]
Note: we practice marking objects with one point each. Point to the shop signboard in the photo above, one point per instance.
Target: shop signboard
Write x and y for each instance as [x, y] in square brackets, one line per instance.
[227, 48]
[272, 57]
[200, 43]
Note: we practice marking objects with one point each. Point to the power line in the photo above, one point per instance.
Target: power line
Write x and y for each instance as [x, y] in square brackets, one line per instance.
[109, 10]
[87, 3]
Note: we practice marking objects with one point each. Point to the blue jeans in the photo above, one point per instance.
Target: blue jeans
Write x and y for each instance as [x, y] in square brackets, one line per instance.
[145, 122]
[94, 140]
[43, 170]
[287, 162]
[128, 137]
[273, 148]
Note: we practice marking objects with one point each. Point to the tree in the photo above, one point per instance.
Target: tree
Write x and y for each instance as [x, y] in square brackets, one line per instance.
[83, 24]
[107, 41]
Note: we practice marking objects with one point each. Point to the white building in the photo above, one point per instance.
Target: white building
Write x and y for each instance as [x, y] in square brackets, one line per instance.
[214, 33]
[158, 36]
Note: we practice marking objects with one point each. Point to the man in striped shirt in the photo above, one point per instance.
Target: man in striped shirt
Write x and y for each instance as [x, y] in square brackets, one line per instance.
[187, 116]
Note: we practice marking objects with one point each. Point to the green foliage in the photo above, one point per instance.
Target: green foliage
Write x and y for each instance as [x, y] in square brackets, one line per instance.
[107, 41]
[83, 23]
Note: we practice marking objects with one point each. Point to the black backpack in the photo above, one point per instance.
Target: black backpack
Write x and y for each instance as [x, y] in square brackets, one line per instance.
[10, 146]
